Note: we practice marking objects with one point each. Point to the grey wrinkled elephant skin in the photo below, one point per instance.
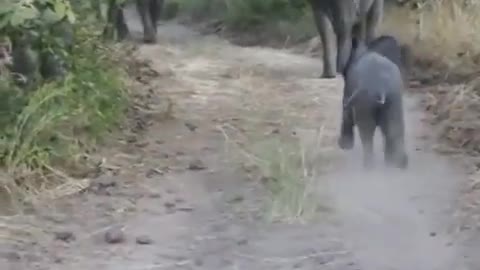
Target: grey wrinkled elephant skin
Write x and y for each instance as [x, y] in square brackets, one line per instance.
[373, 97]
[390, 48]
[337, 22]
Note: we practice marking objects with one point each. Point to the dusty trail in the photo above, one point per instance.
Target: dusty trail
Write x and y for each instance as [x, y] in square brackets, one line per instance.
[402, 220]
[178, 186]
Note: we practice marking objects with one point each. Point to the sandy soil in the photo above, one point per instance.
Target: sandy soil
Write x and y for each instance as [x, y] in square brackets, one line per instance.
[177, 196]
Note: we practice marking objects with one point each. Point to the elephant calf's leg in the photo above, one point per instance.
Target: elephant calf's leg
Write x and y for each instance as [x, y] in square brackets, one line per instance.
[366, 127]
[394, 133]
[395, 155]
[346, 139]
[389, 145]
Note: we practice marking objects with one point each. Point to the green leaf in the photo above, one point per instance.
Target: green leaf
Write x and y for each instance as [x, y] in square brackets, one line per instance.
[5, 20]
[6, 7]
[60, 8]
[50, 17]
[23, 14]
[70, 15]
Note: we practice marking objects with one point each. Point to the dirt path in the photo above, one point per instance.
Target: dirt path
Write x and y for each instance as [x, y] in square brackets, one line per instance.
[189, 187]
[402, 220]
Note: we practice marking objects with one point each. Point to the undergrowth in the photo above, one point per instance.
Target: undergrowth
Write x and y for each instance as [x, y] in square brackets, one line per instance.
[282, 166]
[443, 35]
[46, 131]
[279, 20]
[289, 167]
[291, 180]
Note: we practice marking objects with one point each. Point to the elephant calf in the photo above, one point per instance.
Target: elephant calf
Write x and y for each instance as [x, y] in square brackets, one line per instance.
[373, 97]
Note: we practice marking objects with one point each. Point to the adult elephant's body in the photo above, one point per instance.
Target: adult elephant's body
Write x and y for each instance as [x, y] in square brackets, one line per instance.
[337, 21]
[149, 11]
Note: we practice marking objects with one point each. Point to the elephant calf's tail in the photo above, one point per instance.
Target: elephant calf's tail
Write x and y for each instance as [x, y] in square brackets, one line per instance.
[382, 98]
[377, 97]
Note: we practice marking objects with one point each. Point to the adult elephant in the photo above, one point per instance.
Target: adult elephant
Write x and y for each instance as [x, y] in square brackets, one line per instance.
[149, 11]
[337, 21]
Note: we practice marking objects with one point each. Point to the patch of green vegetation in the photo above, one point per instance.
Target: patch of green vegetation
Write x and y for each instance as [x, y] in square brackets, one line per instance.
[292, 188]
[47, 125]
[276, 18]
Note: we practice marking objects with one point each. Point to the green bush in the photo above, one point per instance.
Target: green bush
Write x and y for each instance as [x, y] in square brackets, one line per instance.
[244, 13]
[263, 21]
[248, 13]
[44, 129]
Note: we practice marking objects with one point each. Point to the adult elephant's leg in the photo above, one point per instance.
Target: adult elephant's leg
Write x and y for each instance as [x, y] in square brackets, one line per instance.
[149, 35]
[344, 43]
[156, 8]
[373, 19]
[96, 5]
[327, 36]
[115, 21]
[121, 24]
[108, 31]
[357, 32]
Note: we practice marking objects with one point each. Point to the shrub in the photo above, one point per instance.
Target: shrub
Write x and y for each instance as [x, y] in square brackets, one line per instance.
[245, 13]
[46, 127]
[442, 33]
[274, 22]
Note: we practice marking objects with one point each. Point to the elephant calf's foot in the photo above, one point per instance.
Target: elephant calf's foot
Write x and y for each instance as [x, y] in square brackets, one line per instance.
[399, 163]
[368, 164]
[346, 142]
[402, 162]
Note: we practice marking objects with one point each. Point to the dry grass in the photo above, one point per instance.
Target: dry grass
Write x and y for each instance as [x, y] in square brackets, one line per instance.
[456, 110]
[445, 34]
[291, 168]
